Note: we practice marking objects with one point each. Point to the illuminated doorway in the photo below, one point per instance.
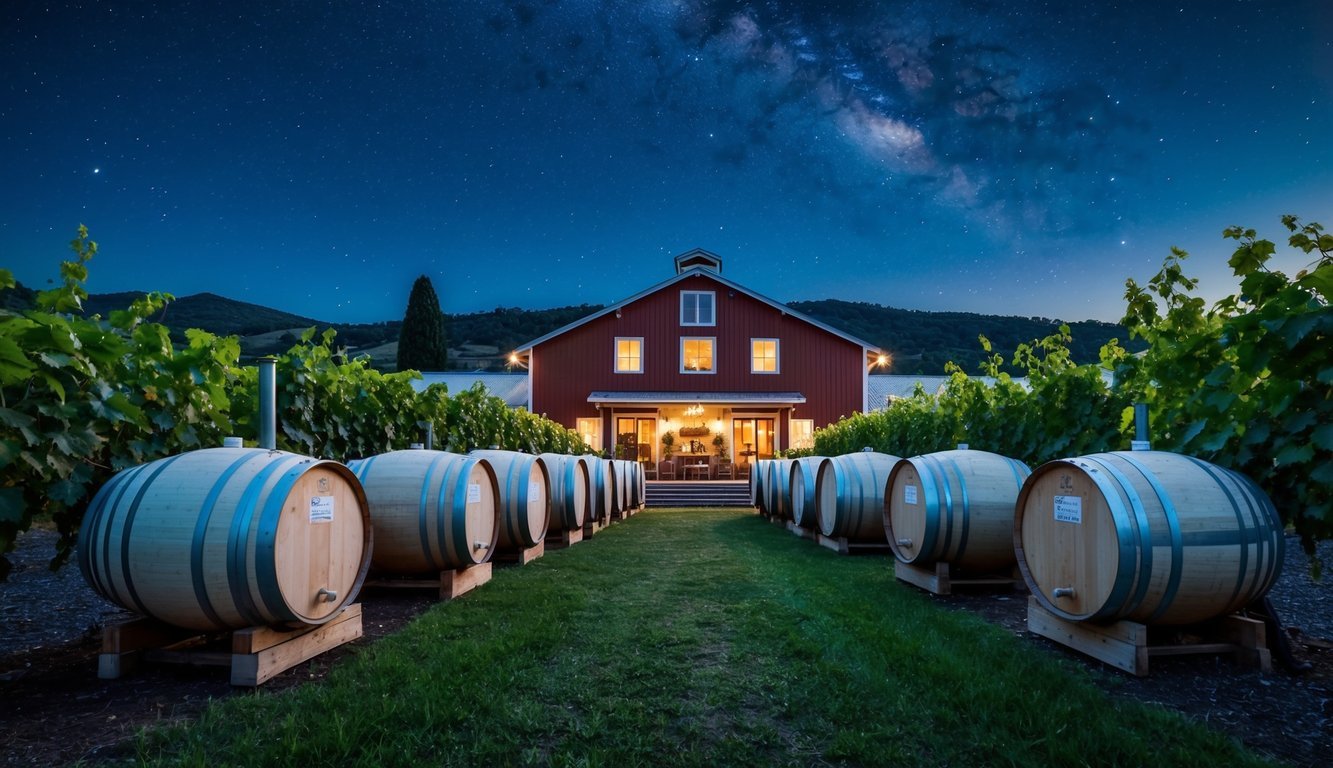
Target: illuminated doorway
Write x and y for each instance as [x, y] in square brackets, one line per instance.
[752, 439]
[636, 438]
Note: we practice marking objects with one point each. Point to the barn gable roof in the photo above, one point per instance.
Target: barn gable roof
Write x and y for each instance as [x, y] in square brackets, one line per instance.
[711, 275]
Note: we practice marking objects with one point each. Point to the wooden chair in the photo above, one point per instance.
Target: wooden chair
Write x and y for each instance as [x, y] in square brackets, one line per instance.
[649, 470]
[666, 470]
[724, 470]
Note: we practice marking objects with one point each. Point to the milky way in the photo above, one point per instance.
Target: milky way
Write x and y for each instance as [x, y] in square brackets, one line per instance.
[1020, 158]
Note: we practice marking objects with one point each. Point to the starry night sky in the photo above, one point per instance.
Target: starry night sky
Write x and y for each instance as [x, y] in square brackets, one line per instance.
[1004, 157]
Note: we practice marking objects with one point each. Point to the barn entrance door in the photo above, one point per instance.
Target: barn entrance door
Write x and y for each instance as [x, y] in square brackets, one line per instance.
[636, 438]
[752, 439]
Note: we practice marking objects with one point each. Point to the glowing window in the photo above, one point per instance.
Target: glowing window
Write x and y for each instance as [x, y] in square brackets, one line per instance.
[802, 433]
[696, 355]
[763, 355]
[629, 355]
[591, 432]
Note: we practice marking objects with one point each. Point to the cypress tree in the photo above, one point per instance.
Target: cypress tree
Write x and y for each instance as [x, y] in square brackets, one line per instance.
[421, 342]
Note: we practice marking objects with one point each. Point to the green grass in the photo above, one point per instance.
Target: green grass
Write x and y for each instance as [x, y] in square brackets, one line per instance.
[694, 638]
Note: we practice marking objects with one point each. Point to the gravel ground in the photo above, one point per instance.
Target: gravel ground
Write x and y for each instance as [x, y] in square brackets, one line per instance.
[54, 710]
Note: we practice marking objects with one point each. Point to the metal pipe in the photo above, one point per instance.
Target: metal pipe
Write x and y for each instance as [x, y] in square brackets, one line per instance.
[268, 403]
[1140, 442]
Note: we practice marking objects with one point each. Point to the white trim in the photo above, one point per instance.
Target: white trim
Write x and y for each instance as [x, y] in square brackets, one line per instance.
[696, 272]
[712, 309]
[615, 354]
[712, 340]
[777, 356]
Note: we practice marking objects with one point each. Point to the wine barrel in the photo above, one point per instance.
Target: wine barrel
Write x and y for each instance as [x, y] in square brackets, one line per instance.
[590, 490]
[525, 497]
[602, 487]
[569, 491]
[849, 495]
[802, 484]
[759, 485]
[1148, 536]
[229, 538]
[778, 488]
[432, 511]
[955, 507]
[621, 502]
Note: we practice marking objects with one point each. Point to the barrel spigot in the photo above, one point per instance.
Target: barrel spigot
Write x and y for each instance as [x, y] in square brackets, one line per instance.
[1060, 592]
[905, 543]
[325, 595]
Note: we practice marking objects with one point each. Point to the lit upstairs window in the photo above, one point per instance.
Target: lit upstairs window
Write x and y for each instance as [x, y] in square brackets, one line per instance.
[629, 354]
[696, 355]
[763, 355]
[697, 308]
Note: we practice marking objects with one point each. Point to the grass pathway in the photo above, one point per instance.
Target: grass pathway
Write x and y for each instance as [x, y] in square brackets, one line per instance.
[694, 638]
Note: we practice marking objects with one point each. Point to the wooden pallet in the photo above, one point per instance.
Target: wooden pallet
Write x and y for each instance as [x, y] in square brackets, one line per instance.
[591, 527]
[255, 655]
[450, 584]
[797, 530]
[940, 580]
[521, 556]
[564, 539]
[844, 547]
[1127, 645]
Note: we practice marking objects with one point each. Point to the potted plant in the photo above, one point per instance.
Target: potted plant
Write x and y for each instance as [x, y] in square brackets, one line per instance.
[720, 445]
[668, 445]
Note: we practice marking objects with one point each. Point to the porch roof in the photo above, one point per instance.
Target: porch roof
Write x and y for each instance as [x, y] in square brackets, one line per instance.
[718, 398]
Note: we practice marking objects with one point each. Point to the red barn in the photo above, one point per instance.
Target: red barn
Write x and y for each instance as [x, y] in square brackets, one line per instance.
[704, 358]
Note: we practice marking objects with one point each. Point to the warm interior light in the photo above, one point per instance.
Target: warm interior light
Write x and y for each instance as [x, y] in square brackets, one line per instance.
[513, 358]
[882, 360]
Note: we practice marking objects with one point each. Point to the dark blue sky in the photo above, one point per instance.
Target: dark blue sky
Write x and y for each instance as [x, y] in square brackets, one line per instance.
[1004, 157]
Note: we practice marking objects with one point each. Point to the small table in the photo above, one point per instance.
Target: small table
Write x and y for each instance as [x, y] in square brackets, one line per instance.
[697, 471]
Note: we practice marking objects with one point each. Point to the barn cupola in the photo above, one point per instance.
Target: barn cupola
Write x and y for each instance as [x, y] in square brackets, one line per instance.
[698, 258]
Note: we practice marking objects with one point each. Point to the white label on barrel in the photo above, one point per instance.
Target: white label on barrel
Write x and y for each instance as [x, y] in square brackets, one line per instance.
[1069, 509]
[534, 491]
[473, 493]
[909, 494]
[321, 509]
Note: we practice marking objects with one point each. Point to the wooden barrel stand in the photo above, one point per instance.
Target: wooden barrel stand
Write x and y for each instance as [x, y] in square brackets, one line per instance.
[521, 556]
[843, 546]
[255, 654]
[1129, 645]
[566, 538]
[451, 583]
[941, 578]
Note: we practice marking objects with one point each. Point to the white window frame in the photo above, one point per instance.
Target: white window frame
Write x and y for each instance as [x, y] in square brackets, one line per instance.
[777, 357]
[711, 340]
[615, 354]
[712, 306]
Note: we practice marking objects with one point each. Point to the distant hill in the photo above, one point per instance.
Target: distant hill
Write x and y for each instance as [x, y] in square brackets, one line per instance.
[213, 313]
[921, 342]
